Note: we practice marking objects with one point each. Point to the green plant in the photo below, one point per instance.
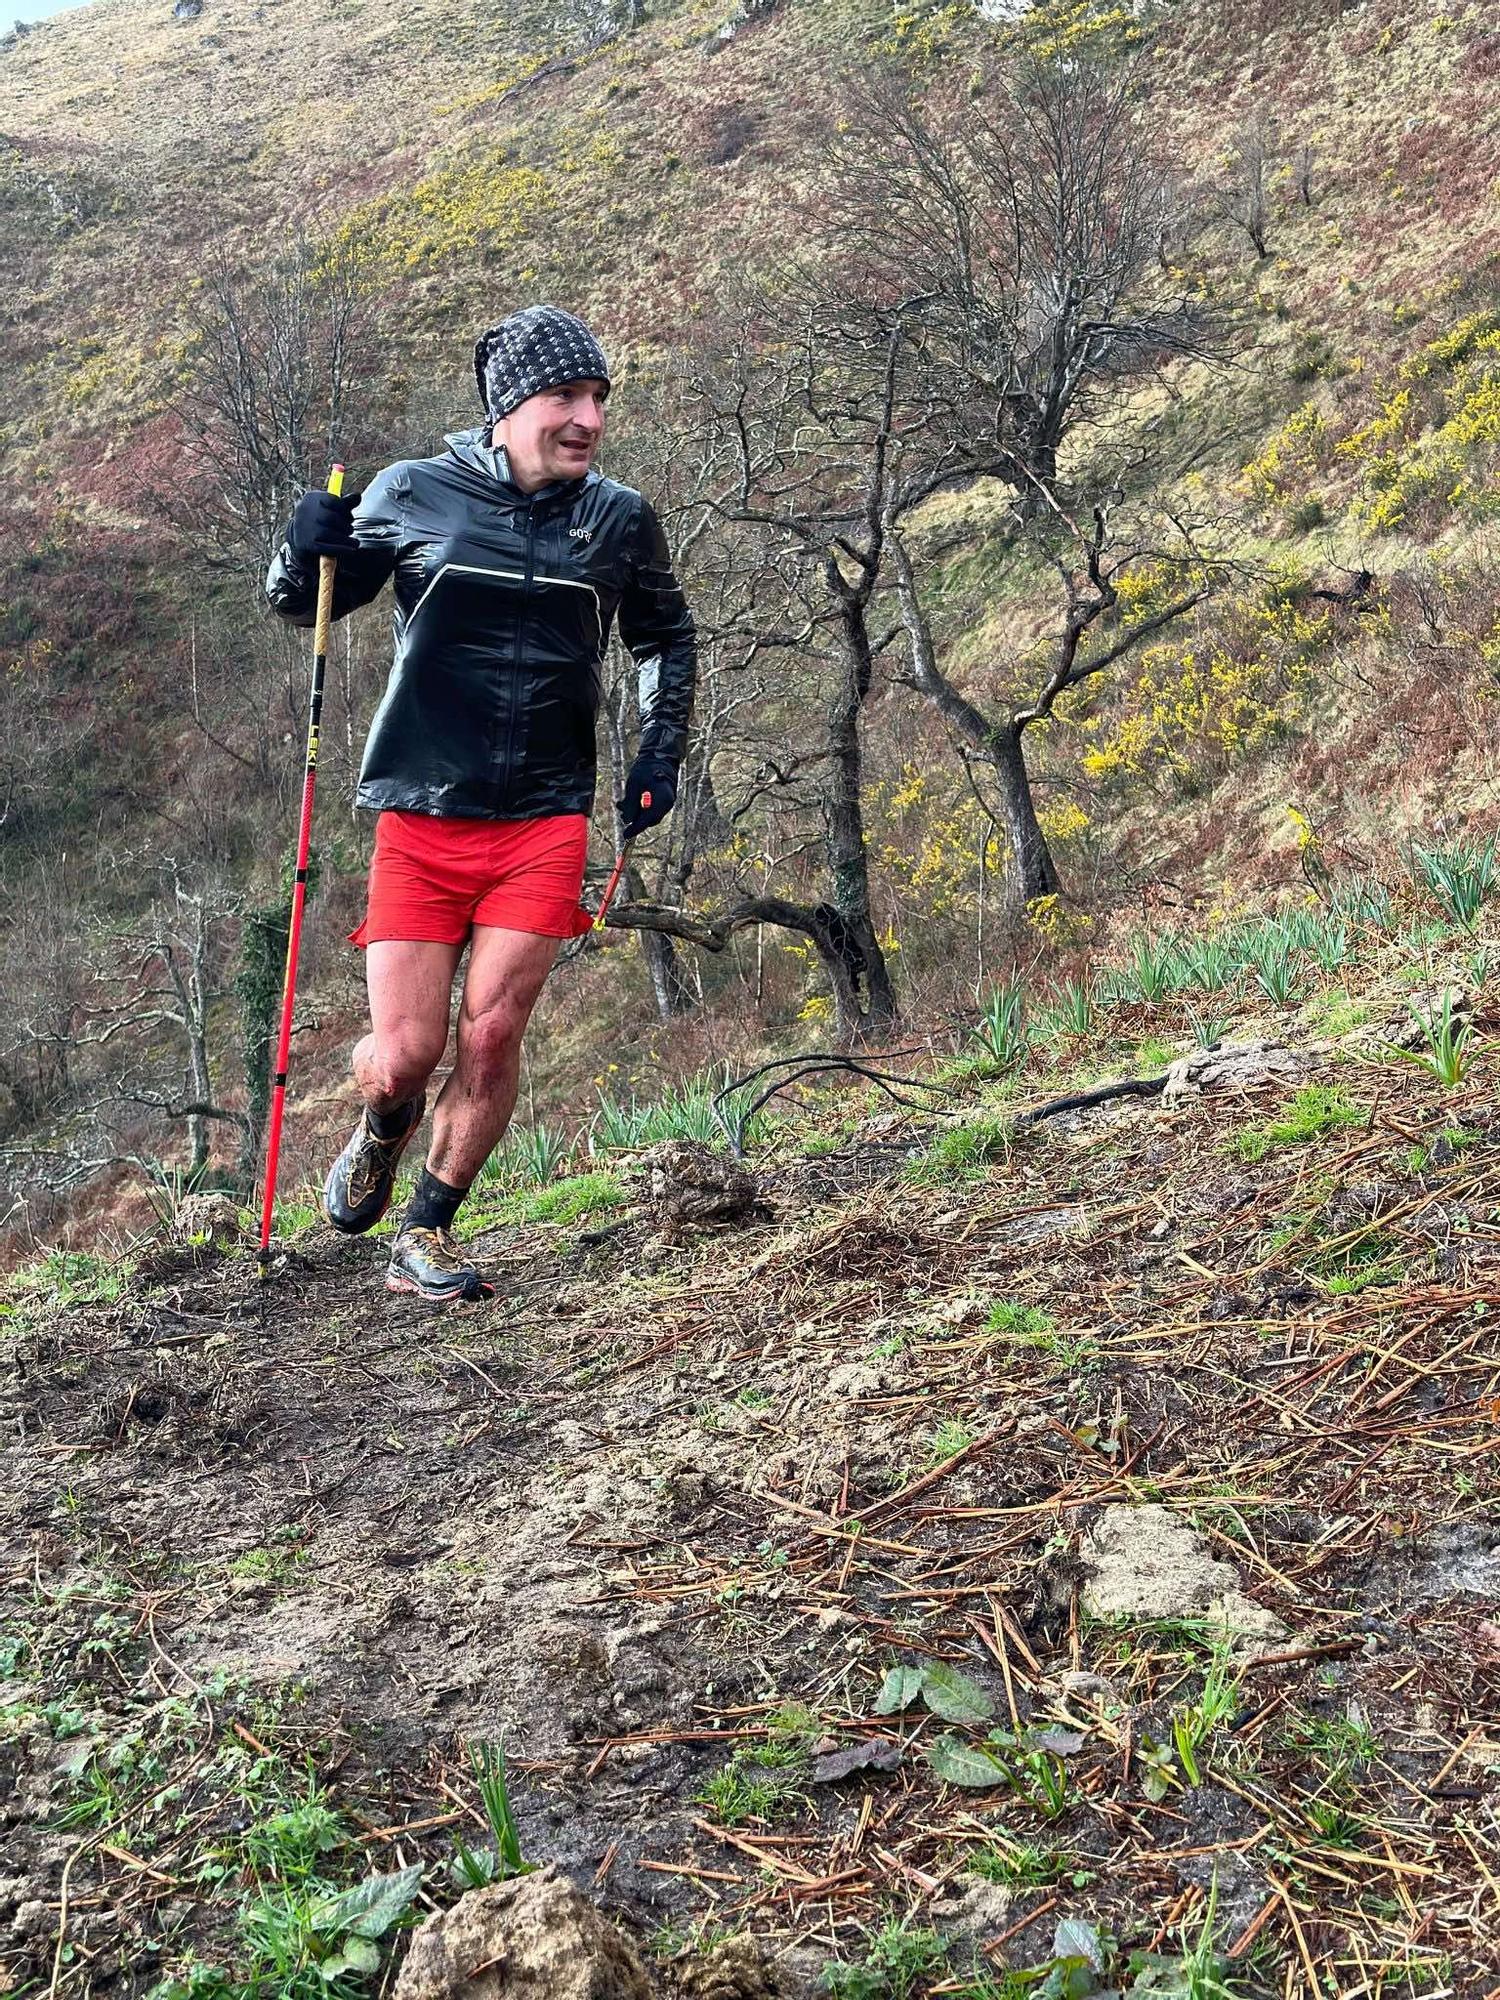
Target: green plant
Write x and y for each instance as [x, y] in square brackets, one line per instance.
[1158, 1771]
[753, 1785]
[618, 1126]
[1195, 1722]
[1209, 1027]
[473, 1868]
[1041, 1778]
[1002, 1024]
[310, 1939]
[1278, 972]
[290, 1845]
[1075, 1005]
[900, 1954]
[1315, 1109]
[1024, 1864]
[1157, 967]
[573, 1199]
[1461, 876]
[529, 1157]
[1364, 902]
[1329, 944]
[948, 1440]
[1338, 1742]
[1010, 1316]
[1200, 1973]
[961, 1153]
[1211, 963]
[1445, 1036]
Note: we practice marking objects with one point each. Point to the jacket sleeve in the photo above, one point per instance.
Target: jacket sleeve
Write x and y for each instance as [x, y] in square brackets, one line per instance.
[657, 626]
[292, 580]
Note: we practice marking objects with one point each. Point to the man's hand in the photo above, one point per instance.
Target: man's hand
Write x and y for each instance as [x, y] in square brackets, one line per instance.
[322, 524]
[649, 777]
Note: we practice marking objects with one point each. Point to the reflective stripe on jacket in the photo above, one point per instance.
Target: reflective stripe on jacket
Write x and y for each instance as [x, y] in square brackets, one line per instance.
[504, 605]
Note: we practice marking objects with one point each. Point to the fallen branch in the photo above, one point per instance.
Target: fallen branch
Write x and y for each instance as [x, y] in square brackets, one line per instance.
[1083, 1100]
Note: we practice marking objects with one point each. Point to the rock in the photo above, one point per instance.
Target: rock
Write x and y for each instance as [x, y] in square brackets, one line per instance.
[733, 1970]
[215, 1217]
[1232, 1066]
[187, 10]
[1145, 1562]
[691, 1184]
[536, 1937]
[974, 1909]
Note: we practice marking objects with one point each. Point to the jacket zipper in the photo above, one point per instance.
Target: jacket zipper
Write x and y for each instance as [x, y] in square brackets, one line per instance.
[516, 652]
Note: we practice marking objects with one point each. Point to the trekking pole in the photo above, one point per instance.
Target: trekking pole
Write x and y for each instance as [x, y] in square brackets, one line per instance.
[614, 881]
[326, 567]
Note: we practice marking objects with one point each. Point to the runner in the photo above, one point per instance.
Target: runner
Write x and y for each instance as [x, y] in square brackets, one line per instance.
[511, 558]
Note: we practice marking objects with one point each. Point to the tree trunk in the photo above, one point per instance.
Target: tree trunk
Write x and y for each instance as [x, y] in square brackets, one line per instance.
[673, 995]
[848, 851]
[1033, 873]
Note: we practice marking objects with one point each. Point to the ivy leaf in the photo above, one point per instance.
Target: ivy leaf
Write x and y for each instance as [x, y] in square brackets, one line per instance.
[954, 1697]
[899, 1689]
[967, 1764]
[371, 1907]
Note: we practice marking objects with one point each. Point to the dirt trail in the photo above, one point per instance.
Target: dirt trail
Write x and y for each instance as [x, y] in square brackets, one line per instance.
[665, 1515]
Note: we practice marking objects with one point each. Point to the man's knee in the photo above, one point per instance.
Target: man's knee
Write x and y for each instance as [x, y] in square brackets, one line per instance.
[489, 1042]
[399, 1062]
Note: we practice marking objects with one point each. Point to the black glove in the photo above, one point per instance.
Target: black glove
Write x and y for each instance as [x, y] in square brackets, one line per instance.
[322, 524]
[653, 777]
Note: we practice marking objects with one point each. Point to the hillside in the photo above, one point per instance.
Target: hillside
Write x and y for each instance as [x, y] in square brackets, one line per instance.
[1054, 1557]
[446, 164]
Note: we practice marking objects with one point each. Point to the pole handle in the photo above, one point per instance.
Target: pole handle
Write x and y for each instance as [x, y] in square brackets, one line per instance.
[326, 567]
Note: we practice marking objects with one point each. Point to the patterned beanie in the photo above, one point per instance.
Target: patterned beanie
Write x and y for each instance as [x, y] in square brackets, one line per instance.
[539, 348]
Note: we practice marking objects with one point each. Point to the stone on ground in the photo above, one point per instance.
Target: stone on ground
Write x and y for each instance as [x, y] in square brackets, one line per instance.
[1145, 1562]
[214, 1217]
[536, 1937]
[1233, 1066]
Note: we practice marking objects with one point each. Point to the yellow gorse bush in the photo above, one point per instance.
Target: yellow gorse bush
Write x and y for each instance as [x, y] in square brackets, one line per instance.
[1196, 705]
[485, 203]
[931, 845]
[1289, 456]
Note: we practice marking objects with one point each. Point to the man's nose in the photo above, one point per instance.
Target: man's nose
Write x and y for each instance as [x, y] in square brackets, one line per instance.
[589, 417]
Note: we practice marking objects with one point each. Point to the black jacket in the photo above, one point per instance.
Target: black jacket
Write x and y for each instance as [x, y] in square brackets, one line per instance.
[504, 604]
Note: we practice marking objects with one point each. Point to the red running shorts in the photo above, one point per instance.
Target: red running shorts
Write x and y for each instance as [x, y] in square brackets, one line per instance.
[432, 879]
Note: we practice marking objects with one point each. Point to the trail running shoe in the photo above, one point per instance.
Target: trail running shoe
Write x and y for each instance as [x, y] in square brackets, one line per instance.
[362, 1179]
[429, 1263]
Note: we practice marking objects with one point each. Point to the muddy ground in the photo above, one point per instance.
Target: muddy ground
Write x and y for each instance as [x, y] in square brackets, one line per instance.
[667, 1510]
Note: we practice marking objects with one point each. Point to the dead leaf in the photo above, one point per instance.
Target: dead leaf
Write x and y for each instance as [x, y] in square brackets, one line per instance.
[871, 1753]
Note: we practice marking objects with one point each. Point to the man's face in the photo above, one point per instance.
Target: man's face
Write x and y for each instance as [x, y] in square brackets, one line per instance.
[554, 434]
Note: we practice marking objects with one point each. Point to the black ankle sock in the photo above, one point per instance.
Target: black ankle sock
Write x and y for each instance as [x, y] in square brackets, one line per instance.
[390, 1124]
[434, 1204]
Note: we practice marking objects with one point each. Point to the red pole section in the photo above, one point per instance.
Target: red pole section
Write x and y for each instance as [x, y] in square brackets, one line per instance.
[326, 567]
[614, 881]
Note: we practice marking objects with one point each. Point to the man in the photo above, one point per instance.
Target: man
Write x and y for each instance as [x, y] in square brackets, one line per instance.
[511, 558]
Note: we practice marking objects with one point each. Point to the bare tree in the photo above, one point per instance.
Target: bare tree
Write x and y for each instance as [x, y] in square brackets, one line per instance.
[267, 401]
[1243, 196]
[1088, 559]
[135, 1043]
[1033, 228]
[1030, 225]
